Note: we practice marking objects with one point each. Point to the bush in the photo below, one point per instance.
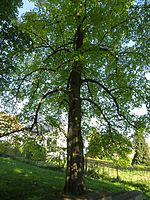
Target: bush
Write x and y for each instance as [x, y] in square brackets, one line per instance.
[7, 149]
[33, 151]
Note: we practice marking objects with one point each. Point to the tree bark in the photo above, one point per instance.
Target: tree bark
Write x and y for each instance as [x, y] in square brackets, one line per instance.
[75, 161]
[74, 183]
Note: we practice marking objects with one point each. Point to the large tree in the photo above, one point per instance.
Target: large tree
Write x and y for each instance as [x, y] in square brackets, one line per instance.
[88, 58]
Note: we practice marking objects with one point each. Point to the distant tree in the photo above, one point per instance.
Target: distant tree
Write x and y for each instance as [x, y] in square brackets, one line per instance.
[103, 146]
[7, 148]
[8, 124]
[33, 151]
[10, 144]
[140, 146]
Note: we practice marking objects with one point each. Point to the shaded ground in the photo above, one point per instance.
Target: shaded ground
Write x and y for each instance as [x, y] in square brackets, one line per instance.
[22, 181]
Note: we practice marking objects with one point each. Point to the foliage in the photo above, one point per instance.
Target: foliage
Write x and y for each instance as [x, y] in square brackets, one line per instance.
[10, 145]
[13, 41]
[116, 148]
[44, 74]
[33, 151]
[8, 123]
[18, 144]
[9, 9]
[83, 58]
[141, 148]
[7, 149]
[27, 144]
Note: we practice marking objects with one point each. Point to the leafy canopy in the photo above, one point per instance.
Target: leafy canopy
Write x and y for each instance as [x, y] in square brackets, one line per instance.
[13, 40]
[113, 56]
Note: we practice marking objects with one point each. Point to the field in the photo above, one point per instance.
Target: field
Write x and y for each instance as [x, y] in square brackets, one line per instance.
[22, 181]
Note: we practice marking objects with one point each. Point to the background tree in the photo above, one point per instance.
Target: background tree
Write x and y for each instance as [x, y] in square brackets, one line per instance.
[18, 142]
[140, 146]
[13, 41]
[87, 58]
[33, 151]
[11, 134]
[8, 124]
[103, 146]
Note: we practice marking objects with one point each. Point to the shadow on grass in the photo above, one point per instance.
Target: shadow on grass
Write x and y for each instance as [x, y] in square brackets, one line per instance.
[119, 186]
[21, 181]
[143, 187]
[104, 185]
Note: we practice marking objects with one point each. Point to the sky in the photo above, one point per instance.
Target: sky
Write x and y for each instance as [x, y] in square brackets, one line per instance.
[27, 6]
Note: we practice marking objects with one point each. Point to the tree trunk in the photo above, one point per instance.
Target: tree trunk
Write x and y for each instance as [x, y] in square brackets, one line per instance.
[75, 161]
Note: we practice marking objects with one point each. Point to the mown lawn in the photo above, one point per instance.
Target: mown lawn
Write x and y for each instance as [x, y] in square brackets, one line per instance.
[22, 181]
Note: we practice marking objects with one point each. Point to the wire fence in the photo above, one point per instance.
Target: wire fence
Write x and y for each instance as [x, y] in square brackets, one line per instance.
[97, 169]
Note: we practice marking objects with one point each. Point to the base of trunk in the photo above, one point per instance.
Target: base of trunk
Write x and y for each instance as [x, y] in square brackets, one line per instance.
[74, 187]
[101, 195]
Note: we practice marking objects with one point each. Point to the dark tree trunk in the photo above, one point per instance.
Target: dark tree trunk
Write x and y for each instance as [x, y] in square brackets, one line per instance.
[75, 161]
[135, 158]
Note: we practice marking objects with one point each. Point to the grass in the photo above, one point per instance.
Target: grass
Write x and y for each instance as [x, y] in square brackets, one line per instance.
[22, 181]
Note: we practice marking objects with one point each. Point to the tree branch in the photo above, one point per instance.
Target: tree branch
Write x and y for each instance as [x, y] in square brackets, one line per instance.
[90, 92]
[15, 131]
[39, 106]
[115, 26]
[112, 96]
[45, 41]
[29, 74]
[36, 86]
[106, 90]
[102, 49]
[99, 108]
[58, 49]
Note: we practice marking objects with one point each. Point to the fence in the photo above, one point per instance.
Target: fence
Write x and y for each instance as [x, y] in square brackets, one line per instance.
[109, 170]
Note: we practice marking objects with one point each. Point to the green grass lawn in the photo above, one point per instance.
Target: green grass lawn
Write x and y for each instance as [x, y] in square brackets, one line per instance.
[22, 181]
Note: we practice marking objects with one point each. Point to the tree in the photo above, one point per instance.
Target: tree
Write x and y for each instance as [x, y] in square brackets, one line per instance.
[140, 146]
[33, 151]
[11, 134]
[19, 142]
[8, 123]
[103, 146]
[88, 58]
[12, 40]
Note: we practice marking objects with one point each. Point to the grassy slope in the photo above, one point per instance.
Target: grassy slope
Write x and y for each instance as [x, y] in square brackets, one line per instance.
[21, 181]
